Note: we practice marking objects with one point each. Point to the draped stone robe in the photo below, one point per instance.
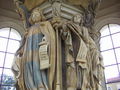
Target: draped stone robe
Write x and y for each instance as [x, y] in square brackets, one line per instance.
[86, 58]
[27, 66]
[78, 65]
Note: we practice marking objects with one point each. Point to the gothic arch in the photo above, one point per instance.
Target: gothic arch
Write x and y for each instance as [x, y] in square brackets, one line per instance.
[13, 24]
[103, 22]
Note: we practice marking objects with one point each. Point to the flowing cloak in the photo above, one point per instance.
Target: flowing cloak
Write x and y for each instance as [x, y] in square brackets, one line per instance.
[27, 68]
[87, 59]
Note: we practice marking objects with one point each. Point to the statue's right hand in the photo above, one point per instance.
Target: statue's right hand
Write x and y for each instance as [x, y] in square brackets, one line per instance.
[56, 23]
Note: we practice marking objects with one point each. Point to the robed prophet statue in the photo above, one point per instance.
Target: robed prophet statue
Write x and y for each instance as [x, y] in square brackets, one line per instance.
[59, 50]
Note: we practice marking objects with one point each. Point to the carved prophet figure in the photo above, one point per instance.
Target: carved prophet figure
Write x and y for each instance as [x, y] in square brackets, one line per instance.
[57, 52]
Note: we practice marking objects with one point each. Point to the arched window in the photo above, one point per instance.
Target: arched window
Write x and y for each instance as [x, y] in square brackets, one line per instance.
[9, 43]
[110, 49]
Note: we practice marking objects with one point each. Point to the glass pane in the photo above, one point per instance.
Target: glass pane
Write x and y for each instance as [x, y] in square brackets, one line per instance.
[7, 88]
[13, 46]
[105, 43]
[8, 77]
[117, 51]
[119, 66]
[0, 74]
[104, 31]
[111, 72]
[2, 55]
[108, 57]
[3, 44]
[1, 71]
[109, 88]
[116, 40]
[9, 60]
[114, 28]
[4, 32]
[14, 34]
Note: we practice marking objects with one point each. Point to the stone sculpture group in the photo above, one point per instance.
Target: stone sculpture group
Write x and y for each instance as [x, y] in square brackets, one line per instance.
[59, 50]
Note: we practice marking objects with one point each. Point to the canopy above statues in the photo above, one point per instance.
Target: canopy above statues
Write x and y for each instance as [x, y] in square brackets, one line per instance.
[30, 4]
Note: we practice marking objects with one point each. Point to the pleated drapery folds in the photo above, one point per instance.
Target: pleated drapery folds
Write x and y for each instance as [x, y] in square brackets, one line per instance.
[81, 59]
